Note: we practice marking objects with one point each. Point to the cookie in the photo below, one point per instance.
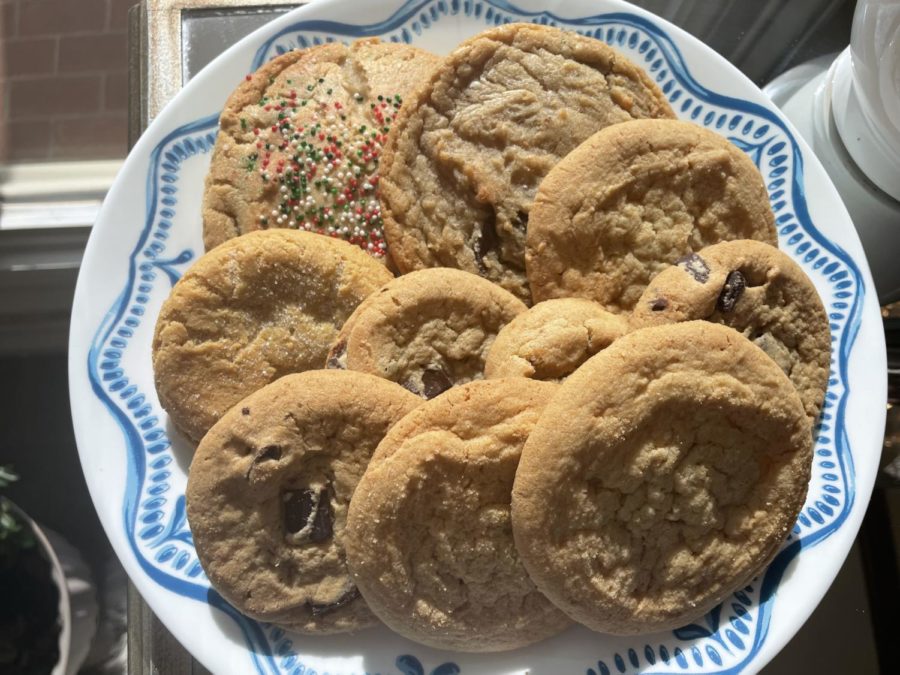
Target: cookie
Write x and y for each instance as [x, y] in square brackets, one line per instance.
[633, 199]
[300, 141]
[759, 291]
[428, 535]
[268, 493]
[428, 330]
[469, 149]
[254, 309]
[553, 338]
[664, 475]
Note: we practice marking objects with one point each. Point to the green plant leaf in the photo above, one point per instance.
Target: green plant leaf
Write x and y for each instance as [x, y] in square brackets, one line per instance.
[7, 476]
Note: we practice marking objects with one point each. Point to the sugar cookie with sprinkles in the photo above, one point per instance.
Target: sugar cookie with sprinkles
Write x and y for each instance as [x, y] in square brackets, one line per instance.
[300, 141]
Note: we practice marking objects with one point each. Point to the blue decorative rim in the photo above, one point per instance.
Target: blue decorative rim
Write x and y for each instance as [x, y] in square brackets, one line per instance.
[730, 636]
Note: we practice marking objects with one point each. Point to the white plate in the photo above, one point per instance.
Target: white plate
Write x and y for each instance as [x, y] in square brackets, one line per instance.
[148, 233]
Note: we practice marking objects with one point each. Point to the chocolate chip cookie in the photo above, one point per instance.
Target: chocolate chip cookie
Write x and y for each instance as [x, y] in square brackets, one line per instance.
[255, 308]
[759, 291]
[468, 150]
[427, 330]
[300, 141]
[665, 473]
[553, 338]
[428, 535]
[633, 199]
[268, 493]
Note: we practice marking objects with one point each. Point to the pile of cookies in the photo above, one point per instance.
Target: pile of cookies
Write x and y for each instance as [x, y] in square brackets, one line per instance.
[545, 365]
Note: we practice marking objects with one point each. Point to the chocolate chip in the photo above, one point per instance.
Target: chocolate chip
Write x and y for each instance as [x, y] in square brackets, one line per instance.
[487, 241]
[334, 356]
[731, 291]
[658, 305]
[410, 384]
[696, 267]
[323, 522]
[345, 599]
[245, 411]
[435, 382]
[308, 514]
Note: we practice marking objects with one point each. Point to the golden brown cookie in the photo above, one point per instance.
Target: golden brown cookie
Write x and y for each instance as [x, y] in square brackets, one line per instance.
[428, 330]
[665, 473]
[268, 493]
[428, 535]
[469, 149]
[300, 141]
[553, 338]
[633, 199]
[255, 308]
[760, 292]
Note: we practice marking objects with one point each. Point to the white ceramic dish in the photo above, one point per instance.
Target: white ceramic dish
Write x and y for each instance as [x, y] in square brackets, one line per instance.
[149, 232]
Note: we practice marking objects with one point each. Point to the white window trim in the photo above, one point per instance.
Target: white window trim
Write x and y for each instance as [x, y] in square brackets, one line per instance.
[54, 194]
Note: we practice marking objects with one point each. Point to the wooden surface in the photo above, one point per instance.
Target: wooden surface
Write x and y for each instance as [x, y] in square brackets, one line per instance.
[151, 648]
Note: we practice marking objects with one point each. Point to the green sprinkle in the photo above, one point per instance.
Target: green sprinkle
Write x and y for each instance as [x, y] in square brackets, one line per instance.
[243, 124]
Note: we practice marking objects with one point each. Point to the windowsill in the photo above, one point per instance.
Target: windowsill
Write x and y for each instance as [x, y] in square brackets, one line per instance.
[54, 194]
[46, 214]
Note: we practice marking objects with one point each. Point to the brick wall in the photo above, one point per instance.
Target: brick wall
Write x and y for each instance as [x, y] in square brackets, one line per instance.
[63, 79]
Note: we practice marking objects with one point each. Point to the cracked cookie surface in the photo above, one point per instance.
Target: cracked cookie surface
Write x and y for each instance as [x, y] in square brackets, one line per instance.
[468, 150]
[633, 199]
[760, 292]
[428, 330]
[300, 140]
[665, 473]
[269, 489]
[552, 339]
[259, 306]
[429, 541]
